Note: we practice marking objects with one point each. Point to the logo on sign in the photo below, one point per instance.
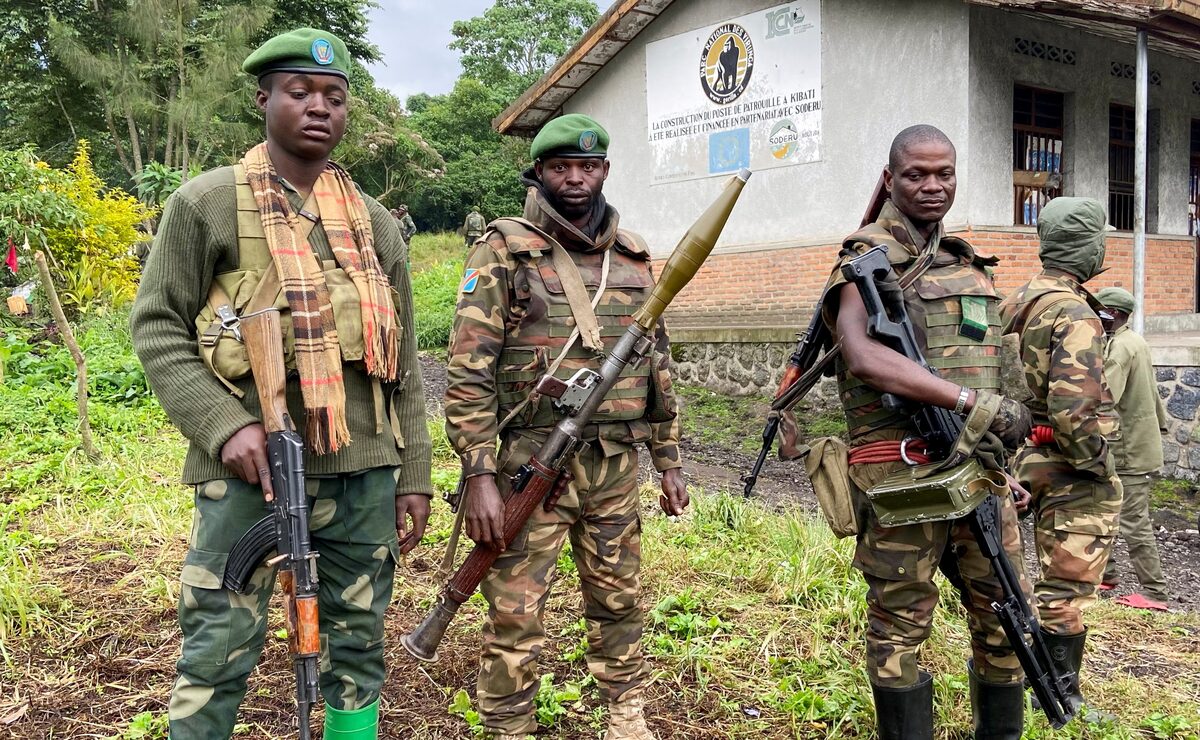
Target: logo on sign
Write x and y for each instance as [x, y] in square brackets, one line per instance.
[785, 22]
[783, 139]
[726, 63]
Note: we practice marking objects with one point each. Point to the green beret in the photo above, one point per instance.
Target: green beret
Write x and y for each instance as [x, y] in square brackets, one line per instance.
[307, 50]
[1117, 298]
[572, 135]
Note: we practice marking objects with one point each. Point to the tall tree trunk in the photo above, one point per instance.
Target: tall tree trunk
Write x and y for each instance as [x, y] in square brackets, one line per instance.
[135, 142]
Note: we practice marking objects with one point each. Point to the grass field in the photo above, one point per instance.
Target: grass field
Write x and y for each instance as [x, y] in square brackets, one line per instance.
[754, 617]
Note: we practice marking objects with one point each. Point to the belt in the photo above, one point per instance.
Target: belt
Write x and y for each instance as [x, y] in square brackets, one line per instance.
[1041, 436]
[910, 450]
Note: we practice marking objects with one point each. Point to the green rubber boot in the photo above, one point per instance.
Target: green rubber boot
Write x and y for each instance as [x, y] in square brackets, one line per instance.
[355, 724]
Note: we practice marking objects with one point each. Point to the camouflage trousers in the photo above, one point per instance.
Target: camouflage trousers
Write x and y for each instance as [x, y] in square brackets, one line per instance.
[1075, 523]
[898, 564]
[1138, 532]
[352, 521]
[599, 512]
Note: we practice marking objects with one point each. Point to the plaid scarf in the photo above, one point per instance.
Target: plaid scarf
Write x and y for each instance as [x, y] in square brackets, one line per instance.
[347, 226]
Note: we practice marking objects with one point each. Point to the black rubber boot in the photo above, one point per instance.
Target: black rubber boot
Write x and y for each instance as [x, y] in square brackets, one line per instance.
[998, 709]
[1067, 653]
[905, 713]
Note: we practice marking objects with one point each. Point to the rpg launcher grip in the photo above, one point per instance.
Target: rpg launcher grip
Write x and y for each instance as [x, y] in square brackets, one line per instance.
[578, 398]
[288, 519]
[888, 323]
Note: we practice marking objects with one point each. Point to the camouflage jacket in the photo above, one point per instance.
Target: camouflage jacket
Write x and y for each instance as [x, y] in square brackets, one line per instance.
[1062, 351]
[474, 224]
[953, 307]
[513, 319]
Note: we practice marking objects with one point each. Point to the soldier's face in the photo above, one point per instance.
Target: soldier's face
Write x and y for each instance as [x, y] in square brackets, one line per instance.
[923, 184]
[573, 182]
[306, 114]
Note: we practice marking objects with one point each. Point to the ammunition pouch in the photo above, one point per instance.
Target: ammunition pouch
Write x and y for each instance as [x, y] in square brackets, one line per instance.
[827, 462]
[933, 493]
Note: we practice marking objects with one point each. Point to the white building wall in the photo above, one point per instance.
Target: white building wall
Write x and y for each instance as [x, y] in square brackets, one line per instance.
[1090, 88]
[886, 64]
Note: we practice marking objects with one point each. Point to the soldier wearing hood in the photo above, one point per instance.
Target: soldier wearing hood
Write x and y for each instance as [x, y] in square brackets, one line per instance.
[1066, 465]
[522, 314]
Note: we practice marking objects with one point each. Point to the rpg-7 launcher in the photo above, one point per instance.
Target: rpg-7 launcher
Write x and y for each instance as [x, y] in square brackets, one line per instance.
[888, 323]
[545, 475]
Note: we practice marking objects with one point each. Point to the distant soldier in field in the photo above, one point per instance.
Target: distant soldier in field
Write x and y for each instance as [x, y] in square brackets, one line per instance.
[523, 312]
[407, 226]
[285, 215]
[473, 226]
[950, 298]
[1066, 465]
[1137, 451]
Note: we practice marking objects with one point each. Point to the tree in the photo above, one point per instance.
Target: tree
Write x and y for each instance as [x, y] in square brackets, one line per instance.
[481, 165]
[168, 79]
[515, 41]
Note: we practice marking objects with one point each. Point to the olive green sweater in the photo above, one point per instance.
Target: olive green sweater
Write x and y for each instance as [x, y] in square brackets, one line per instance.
[196, 240]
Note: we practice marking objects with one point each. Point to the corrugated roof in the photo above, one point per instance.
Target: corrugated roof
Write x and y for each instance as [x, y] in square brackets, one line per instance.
[1174, 26]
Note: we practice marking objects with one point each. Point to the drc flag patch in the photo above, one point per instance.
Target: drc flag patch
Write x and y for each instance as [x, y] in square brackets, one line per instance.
[470, 280]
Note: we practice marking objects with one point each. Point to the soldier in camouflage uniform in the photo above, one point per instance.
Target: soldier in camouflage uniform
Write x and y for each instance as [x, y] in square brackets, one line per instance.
[359, 497]
[1066, 465]
[513, 321]
[954, 309]
[473, 226]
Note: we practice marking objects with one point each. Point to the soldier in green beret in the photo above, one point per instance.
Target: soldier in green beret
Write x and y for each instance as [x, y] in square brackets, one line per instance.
[548, 294]
[1137, 451]
[285, 215]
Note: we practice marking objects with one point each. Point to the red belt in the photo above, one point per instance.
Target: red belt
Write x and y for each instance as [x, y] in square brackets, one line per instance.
[1041, 436]
[890, 450]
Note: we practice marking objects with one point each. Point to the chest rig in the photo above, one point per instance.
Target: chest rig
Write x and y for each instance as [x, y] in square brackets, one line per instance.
[541, 322]
[954, 310]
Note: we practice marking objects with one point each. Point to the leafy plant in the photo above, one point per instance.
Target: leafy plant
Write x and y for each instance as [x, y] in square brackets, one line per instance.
[550, 700]
[156, 181]
[145, 726]
[460, 706]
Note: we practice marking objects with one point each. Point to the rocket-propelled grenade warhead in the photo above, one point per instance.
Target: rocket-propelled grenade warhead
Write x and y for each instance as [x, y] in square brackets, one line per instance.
[691, 252]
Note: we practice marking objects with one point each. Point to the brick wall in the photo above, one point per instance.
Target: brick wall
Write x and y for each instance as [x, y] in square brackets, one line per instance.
[777, 287]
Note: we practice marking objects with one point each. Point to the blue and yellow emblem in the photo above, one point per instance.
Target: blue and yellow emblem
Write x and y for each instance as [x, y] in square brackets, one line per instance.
[470, 281]
[588, 140]
[322, 52]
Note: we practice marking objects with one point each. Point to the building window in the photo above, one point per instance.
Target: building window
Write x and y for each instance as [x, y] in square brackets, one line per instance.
[1194, 182]
[1120, 166]
[1037, 151]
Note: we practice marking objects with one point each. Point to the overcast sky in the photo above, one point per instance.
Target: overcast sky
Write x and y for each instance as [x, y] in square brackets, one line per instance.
[412, 36]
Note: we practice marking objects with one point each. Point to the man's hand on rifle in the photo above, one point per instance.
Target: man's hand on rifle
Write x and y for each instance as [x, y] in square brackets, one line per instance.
[414, 506]
[245, 453]
[485, 512]
[674, 498]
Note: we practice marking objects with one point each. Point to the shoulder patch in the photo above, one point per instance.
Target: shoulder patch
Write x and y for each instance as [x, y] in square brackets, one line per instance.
[470, 281]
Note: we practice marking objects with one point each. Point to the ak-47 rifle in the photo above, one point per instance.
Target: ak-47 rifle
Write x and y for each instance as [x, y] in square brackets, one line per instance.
[806, 364]
[285, 529]
[545, 475]
[888, 323]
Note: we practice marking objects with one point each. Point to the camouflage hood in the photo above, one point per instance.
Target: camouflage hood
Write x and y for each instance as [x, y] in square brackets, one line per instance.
[1072, 232]
[598, 235]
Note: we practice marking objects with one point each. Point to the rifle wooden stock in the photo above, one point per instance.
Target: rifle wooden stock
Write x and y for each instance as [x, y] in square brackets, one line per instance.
[264, 347]
[879, 196]
[263, 340]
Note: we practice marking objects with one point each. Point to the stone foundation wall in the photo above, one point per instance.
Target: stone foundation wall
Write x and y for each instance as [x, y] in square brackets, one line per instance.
[1179, 387]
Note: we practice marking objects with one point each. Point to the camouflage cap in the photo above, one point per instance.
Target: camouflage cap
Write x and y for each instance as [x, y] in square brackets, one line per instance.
[1072, 232]
[572, 135]
[1117, 298]
[308, 50]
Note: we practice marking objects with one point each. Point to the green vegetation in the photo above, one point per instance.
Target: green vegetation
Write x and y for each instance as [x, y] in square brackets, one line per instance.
[732, 422]
[1176, 494]
[437, 265]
